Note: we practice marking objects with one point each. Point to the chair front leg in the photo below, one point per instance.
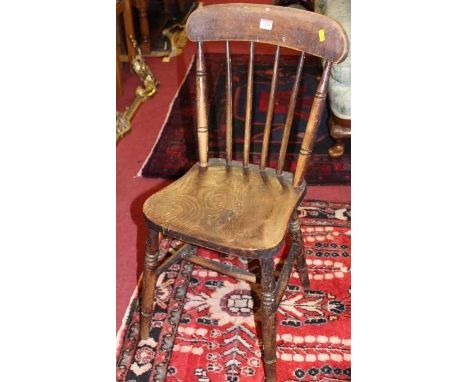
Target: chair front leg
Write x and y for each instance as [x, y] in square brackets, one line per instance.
[296, 236]
[149, 282]
[268, 317]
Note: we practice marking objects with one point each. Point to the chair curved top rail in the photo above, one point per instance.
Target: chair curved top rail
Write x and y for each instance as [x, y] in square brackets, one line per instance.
[287, 27]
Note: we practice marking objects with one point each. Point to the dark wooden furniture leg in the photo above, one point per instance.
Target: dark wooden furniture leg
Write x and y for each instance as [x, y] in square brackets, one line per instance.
[118, 76]
[129, 29]
[124, 8]
[149, 282]
[296, 237]
[268, 317]
[340, 129]
[119, 10]
[142, 6]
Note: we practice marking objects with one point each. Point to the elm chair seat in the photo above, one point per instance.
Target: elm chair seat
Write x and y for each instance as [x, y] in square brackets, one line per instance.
[236, 208]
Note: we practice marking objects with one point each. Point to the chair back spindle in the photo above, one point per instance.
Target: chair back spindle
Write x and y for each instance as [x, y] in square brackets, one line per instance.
[270, 110]
[248, 105]
[290, 116]
[228, 105]
[318, 35]
[202, 108]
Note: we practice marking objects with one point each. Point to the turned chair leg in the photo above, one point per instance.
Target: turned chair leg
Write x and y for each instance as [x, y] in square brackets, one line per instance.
[268, 317]
[149, 282]
[296, 236]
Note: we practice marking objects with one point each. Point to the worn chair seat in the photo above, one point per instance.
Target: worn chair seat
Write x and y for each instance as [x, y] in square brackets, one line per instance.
[228, 208]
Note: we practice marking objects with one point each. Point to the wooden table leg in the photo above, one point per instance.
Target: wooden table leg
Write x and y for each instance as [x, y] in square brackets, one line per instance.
[340, 129]
[119, 76]
[129, 29]
[118, 52]
[145, 44]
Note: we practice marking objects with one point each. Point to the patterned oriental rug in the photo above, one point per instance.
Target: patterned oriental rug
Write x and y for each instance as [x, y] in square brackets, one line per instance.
[175, 150]
[205, 326]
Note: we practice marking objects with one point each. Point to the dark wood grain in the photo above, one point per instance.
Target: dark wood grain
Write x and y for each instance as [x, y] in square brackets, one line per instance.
[142, 7]
[124, 9]
[244, 253]
[291, 28]
[229, 270]
[248, 106]
[312, 125]
[270, 110]
[129, 29]
[119, 76]
[295, 234]
[228, 104]
[268, 317]
[340, 129]
[283, 279]
[149, 281]
[290, 116]
[181, 254]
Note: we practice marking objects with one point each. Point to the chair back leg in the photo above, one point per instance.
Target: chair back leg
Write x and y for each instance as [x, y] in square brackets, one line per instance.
[296, 237]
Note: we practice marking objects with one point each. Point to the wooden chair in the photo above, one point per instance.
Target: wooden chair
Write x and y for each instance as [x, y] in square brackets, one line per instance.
[240, 208]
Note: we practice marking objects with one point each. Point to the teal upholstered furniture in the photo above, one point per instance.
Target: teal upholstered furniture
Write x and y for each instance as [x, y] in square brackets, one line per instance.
[339, 88]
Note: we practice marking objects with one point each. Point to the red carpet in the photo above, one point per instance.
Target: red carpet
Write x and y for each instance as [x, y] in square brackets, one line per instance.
[209, 322]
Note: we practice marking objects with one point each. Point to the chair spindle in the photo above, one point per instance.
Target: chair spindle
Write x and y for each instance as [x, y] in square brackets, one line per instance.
[270, 110]
[202, 114]
[290, 116]
[228, 104]
[312, 124]
[248, 107]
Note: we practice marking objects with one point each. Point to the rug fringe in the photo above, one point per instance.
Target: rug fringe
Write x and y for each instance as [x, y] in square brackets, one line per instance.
[139, 174]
